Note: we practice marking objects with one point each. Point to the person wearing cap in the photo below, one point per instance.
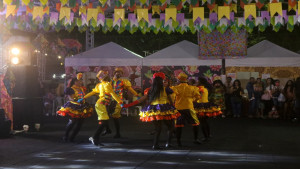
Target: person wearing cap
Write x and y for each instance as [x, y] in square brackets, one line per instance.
[105, 91]
[159, 110]
[119, 85]
[76, 112]
[185, 94]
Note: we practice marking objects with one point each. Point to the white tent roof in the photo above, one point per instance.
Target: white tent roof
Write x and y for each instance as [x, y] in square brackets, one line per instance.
[267, 54]
[109, 54]
[179, 54]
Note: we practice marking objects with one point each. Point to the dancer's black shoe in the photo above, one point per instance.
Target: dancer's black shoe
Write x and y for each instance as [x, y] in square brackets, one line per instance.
[156, 147]
[117, 136]
[107, 131]
[197, 141]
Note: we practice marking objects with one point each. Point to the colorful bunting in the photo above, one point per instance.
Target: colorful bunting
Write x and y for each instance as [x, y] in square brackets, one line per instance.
[92, 13]
[119, 14]
[142, 14]
[223, 11]
[37, 12]
[250, 10]
[198, 12]
[171, 13]
[10, 10]
[65, 12]
[276, 7]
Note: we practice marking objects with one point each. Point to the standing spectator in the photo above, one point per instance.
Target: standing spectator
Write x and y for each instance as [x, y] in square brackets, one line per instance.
[258, 90]
[236, 98]
[275, 94]
[218, 95]
[297, 99]
[288, 93]
[266, 97]
[252, 101]
[228, 85]
[48, 102]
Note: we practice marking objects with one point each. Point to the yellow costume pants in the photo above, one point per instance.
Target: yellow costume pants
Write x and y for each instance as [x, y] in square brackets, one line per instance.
[117, 112]
[101, 112]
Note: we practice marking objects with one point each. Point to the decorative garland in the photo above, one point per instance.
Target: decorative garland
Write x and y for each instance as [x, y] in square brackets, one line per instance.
[69, 15]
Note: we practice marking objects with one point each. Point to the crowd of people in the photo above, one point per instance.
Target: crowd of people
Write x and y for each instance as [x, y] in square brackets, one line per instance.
[188, 102]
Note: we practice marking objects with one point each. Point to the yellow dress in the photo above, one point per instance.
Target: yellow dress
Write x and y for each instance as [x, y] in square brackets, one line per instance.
[205, 108]
[159, 109]
[74, 109]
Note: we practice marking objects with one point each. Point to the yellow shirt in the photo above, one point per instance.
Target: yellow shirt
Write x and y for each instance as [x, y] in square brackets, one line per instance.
[185, 95]
[204, 95]
[104, 88]
[163, 99]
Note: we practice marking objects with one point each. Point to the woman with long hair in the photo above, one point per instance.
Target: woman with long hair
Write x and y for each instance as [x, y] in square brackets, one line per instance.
[204, 108]
[288, 93]
[267, 97]
[76, 112]
[236, 98]
[160, 109]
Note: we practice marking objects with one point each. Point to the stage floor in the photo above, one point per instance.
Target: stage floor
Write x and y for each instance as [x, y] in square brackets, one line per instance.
[241, 143]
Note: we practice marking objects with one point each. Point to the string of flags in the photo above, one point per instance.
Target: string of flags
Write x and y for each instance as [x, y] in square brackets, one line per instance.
[143, 15]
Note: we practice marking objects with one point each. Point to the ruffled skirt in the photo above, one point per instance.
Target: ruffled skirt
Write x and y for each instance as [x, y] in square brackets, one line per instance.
[76, 110]
[158, 112]
[207, 109]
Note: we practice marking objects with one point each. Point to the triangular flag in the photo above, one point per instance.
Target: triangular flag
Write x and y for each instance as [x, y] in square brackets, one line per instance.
[198, 12]
[8, 2]
[25, 2]
[92, 13]
[10, 9]
[65, 12]
[46, 10]
[142, 14]
[37, 11]
[82, 10]
[63, 2]
[119, 14]
[223, 11]
[233, 7]
[170, 13]
[249, 10]
[298, 7]
[155, 9]
[276, 7]
[44, 2]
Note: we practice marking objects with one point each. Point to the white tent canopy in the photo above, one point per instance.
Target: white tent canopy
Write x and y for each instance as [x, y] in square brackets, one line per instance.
[180, 54]
[266, 54]
[109, 54]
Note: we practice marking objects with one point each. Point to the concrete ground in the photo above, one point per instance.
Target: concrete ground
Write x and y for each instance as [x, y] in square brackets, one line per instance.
[237, 143]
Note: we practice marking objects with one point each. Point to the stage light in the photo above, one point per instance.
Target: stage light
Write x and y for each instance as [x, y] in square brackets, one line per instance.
[15, 60]
[46, 54]
[63, 76]
[61, 64]
[59, 57]
[54, 76]
[15, 51]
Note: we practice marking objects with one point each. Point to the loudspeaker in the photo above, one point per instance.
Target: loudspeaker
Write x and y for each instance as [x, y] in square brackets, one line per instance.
[4, 125]
[26, 85]
[27, 97]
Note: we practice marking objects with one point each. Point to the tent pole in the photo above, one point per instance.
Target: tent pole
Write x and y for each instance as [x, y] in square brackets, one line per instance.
[223, 69]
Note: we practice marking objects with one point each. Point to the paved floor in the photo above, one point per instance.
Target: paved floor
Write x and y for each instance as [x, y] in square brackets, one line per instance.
[236, 144]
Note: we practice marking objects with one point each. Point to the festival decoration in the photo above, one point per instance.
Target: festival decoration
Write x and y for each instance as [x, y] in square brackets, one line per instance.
[67, 14]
